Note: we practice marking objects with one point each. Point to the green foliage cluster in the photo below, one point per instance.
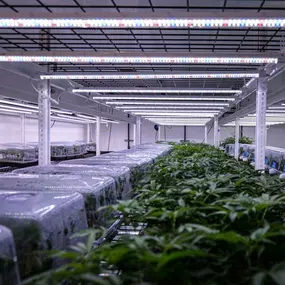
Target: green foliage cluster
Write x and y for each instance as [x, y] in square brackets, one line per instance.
[231, 140]
[211, 220]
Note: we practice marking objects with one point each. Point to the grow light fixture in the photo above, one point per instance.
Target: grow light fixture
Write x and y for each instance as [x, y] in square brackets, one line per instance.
[276, 108]
[175, 114]
[18, 104]
[170, 111]
[18, 108]
[95, 120]
[15, 111]
[150, 76]
[150, 90]
[69, 119]
[36, 57]
[150, 22]
[166, 103]
[126, 108]
[213, 98]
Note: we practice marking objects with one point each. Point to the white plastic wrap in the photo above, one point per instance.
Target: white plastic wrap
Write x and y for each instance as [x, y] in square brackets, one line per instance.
[41, 221]
[9, 272]
[121, 175]
[64, 149]
[14, 152]
[97, 191]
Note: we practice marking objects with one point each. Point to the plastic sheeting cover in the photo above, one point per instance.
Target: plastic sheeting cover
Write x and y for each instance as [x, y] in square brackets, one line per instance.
[9, 273]
[121, 175]
[97, 191]
[41, 221]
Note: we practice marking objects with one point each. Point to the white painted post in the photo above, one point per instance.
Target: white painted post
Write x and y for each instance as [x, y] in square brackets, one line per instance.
[23, 129]
[260, 130]
[98, 124]
[135, 134]
[216, 131]
[159, 134]
[44, 122]
[88, 133]
[237, 138]
[206, 134]
[138, 128]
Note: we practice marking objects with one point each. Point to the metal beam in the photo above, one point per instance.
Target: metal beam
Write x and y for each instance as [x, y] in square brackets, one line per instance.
[206, 134]
[216, 127]
[237, 138]
[138, 131]
[260, 129]
[23, 129]
[98, 125]
[44, 122]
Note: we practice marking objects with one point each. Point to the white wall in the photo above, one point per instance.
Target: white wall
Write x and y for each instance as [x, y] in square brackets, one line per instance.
[10, 129]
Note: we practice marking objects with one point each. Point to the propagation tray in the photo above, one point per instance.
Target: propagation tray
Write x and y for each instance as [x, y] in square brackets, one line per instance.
[97, 191]
[121, 175]
[9, 273]
[41, 221]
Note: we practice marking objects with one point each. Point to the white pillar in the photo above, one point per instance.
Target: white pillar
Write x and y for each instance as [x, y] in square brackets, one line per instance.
[98, 125]
[215, 131]
[206, 134]
[87, 133]
[260, 130]
[23, 129]
[237, 138]
[135, 134]
[159, 134]
[44, 122]
[138, 131]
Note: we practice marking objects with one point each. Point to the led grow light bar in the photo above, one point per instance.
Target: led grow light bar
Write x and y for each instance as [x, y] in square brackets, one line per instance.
[276, 108]
[12, 57]
[175, 114]
[213, 98]
[141, 22]
[150, 76]
[177, 111]
[95, 120]
[150, 90]
[18, 104]
[18, 108]
[126, 108]
[166, 103]
[15, 111]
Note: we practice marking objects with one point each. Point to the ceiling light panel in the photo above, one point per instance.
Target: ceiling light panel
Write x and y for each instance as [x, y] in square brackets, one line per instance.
[149, 60]
[189, 22]
[150, 76]
[150, 90]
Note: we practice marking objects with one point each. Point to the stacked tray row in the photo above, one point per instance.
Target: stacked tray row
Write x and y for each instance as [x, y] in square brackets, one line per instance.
[274, 157]
[41, 207]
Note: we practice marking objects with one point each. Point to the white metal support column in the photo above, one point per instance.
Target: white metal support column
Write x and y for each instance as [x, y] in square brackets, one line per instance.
[98, 125]
[135, 134]
[138, 131]
[88, 133]
[159, 134]
[216, 131]
[44, 122]
[260, 130]
[23, 129]
[237, 138]
[206, 134]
